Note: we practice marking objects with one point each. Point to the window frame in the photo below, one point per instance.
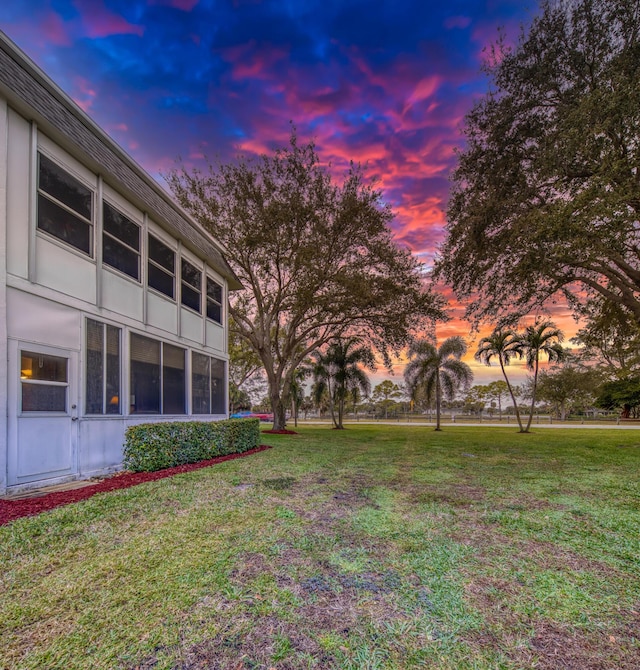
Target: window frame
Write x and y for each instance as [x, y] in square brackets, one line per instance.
[214, 301]
[105, 369]
[40, 192]
[138, 252]
[25, 381]
[161, 379]
[225, 384]
[156, 264]
[191, 287]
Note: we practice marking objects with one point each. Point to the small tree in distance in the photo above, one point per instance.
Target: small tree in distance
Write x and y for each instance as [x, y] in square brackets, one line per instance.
[386, 393]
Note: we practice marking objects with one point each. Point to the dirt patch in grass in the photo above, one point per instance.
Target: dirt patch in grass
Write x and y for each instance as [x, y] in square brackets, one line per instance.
[456, 495]
[528, 504]
[557, 647]
[552, 645]
[264, 643]
[249, 567]
[279, 483]
[341, 500]
[554, 557]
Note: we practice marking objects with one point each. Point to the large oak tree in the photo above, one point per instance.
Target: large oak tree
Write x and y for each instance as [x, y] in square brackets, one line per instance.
[546, 194]
[316, 258]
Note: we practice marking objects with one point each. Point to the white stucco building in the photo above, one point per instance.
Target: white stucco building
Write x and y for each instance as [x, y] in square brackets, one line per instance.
[112, 300]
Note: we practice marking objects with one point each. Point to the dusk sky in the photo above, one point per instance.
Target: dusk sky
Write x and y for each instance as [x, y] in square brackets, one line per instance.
[385, 83]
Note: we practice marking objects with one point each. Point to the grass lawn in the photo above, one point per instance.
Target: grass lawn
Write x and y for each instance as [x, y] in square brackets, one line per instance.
[373, 547]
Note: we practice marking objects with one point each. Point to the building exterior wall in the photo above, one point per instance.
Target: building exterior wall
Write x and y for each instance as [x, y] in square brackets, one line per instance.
[53, 294]
[3, 291]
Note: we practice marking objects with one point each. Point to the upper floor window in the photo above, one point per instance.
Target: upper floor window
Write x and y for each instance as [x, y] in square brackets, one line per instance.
[65, 206]
[214, 301]
[191, 288]
[161, 267]
[120, 242]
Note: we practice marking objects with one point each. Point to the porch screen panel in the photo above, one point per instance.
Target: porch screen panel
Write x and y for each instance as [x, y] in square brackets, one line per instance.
[200, 383]
[113, 405]
[145, 375]
[218, 386]
[94, 400]
[173, 380]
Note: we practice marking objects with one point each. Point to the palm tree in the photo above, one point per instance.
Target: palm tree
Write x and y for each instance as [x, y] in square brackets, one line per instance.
[297, 390]
[541, 338]
[503, 345]
[340, 371]
[319, 394]
[438, 371]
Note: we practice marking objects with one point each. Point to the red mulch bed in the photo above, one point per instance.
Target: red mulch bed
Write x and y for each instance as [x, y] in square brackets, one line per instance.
[280, 432]
[14, 509]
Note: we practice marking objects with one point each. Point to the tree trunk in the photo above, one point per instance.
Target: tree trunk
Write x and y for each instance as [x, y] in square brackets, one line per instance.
[340, 414]
[438, 400]
[294, 409]
[533, 398]
[279, 411]
[280, 397]
[513, 398]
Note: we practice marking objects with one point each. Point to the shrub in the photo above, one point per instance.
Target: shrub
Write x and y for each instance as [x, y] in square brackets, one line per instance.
[155, 446]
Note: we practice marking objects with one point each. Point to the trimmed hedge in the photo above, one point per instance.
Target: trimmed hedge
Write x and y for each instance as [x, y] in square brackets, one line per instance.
[155, 446]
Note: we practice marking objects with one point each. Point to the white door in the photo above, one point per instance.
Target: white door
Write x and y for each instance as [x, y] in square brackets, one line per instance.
[43, 413]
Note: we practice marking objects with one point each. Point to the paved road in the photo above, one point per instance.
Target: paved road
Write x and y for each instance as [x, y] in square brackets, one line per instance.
[483, 424]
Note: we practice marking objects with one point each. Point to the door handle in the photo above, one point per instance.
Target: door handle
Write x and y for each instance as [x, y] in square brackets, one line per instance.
[74, 418]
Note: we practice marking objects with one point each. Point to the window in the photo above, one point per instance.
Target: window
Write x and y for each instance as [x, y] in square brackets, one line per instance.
[44, 382]
[214, 301]
[200, 383]
[120, 242]
[157, 377]
[161, 267]
[173, 380]
[65, 206]
[208, 384]
[191, 287]
[102, 369]
[145, 375]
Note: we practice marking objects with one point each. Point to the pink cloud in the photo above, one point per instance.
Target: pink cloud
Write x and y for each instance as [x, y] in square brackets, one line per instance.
[423, 90]
[44, 29]
[84, 93]
[248, 63]
[99, 22]
[53, 29]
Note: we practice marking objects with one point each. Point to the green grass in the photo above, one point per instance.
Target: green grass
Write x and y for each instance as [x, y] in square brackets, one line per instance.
[375, 547]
